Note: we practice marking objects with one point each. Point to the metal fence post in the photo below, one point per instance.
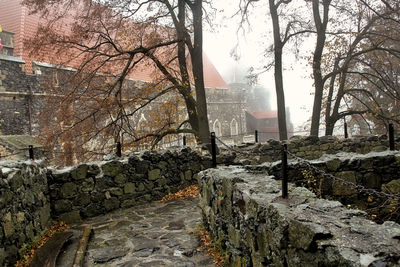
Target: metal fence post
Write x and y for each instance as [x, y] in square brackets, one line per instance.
[31, 155]
[391, 137]
[213, 150]
[256, 136]
[119, 149]
[184, 140]
[346, 135]
[284, 172]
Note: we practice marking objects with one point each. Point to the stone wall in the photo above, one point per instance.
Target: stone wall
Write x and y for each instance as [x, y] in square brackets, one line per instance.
[20, 98]
[247, 217]
[376, 171]
[24, 207]
[31, 195]
[312, 147]
[92, 189]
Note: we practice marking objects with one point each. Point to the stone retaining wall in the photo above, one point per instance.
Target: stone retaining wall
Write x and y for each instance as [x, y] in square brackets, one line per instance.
[32, 195]
[92, 189]
[24, 208]
[376, 170]
[247, 216]
[313, 147]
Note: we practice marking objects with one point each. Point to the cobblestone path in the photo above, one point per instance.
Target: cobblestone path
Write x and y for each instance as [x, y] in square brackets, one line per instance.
[154, 234]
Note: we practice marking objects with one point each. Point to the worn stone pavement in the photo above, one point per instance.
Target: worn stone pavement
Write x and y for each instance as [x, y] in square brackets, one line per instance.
[153, 234]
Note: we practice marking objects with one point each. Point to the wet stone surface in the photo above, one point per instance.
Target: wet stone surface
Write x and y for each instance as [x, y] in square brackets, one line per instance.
[154, 234]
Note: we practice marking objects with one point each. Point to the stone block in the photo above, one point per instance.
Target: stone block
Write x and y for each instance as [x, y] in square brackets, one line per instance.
[154, 174]
[234, 236]
[302, 234]
[87, 185]
[162, 181]
[120, 178]
[71, 217]
[62, 205]
[372, 180]
[16, 181]
[45, 216]
[111, 204]
[392, 187]
[149, 185]
[83, 199]
[93, 209]
[69, 190]
[116, 191]
[79, 172]
[8, 229]
[333, 165]
[129, 188]
[141, 187]
[112, 168]
[188, 175]
[379, 148]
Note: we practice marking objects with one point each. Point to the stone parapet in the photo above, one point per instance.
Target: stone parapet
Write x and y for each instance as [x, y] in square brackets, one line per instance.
[246, 214]
[312, 147]
[92, 189]
[24, 208]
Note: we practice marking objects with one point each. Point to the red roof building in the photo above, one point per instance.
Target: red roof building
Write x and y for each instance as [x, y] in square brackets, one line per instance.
[15, 18]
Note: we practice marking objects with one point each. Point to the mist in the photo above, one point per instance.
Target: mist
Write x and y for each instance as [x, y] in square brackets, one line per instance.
[235, 51]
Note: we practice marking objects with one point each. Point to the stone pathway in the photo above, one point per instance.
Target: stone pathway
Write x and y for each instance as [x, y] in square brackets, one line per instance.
[154, 234]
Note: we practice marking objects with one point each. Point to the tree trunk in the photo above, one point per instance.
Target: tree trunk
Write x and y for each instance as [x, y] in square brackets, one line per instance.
[280, 95]
[318, 81]
[186, 89]
[197, 62]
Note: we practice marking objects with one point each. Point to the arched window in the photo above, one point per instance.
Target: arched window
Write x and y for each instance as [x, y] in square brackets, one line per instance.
[217, 128]
[234, 127]
[356, 130]
[142, 122]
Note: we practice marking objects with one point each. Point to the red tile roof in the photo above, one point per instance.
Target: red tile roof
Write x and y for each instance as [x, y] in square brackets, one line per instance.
[16, 18]
[267, 114]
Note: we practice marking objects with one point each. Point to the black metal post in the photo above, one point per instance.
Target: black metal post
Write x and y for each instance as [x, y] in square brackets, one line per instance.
[213, 150]
[119, 149]
[31, 155]
[184, 140]
[284, 172]
[391, 137]
[256, 136]
[346, 135]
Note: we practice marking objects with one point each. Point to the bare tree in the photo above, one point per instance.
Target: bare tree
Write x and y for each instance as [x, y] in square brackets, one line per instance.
[293, 27]
[107, 44]
[320, 26]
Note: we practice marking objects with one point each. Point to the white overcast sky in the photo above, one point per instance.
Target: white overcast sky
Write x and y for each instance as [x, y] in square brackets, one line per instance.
[297, 83]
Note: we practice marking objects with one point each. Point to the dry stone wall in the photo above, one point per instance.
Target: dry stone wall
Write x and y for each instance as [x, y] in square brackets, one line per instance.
[374, 171]
[312, 147]
[24, 207]
[247, 216]
[32, 195]
[92, 189]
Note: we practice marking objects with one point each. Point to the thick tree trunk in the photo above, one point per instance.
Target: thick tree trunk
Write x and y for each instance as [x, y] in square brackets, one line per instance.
[280, 95]
[186, 89]
[329, 128]
[318, 80]
[197, 62]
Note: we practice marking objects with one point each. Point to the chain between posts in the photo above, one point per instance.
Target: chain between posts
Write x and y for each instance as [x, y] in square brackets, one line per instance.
[285, 151]
[359, 188]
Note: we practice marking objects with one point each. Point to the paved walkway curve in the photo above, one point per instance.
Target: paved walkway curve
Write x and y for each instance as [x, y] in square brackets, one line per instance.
[154, 234]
